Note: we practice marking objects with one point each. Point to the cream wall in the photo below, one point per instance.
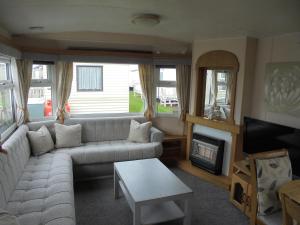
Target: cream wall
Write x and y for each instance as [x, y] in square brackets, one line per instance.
[170, 125]
[284, 48]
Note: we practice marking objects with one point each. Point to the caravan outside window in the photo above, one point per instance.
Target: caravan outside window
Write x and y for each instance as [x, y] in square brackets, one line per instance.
[105, 88]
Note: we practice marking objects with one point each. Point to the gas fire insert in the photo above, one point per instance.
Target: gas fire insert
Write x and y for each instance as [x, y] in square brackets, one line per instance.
[207, 153]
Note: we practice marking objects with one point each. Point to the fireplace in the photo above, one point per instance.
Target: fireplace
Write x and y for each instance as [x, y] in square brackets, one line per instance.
[207, 153]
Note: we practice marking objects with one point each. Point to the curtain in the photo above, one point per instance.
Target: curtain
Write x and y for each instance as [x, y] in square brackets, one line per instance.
[146, 73]
[214, 88]
[64, 75]
[183, 77]
[21, 76]
[229, 82]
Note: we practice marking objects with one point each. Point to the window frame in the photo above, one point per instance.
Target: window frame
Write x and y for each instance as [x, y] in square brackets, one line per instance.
[8, 85]
[49, 82]
[89, 90]
[164, 84]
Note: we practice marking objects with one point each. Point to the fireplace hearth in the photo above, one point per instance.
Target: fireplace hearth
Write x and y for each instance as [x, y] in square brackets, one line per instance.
[207, 153]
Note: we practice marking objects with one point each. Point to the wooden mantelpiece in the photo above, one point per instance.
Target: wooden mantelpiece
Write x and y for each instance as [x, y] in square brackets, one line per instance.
[218, 125]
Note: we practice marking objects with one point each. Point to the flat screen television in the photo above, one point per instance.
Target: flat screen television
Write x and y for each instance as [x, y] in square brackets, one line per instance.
[260, 136]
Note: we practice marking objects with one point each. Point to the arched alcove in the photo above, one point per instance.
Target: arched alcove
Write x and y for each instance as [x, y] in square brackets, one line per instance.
[216, 85]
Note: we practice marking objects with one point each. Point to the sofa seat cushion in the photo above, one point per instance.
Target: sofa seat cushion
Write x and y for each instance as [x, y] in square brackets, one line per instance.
[44, 193]
[112, 151]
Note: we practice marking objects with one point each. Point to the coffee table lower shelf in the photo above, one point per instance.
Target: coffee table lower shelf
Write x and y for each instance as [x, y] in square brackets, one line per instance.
[157, 212]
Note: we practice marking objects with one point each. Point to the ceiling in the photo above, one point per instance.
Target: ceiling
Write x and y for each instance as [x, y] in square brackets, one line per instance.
[82, 22]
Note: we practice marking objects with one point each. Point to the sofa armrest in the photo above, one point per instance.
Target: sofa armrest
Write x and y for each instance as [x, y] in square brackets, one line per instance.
[156, 135]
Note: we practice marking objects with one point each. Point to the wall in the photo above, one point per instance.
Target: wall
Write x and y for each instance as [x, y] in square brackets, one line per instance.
[6, 50]
[284, 48]
[170, 125]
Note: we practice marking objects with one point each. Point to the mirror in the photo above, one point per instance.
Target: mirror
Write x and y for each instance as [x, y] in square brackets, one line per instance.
[216, 85]
[217, 94]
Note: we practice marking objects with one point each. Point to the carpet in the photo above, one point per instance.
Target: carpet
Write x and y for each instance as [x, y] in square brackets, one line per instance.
[95, 204]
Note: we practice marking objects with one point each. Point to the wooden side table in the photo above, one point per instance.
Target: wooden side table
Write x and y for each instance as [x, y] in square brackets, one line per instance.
[291, 190]
[173, 149]
[240, 193]
[290, 198]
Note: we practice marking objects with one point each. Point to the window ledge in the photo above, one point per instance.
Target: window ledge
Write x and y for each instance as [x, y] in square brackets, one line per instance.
[8, 132]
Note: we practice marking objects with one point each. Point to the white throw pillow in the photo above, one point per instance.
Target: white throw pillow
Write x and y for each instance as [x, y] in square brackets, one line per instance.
[7, 219]
[139, 132]
[67, 136]
[40, 141]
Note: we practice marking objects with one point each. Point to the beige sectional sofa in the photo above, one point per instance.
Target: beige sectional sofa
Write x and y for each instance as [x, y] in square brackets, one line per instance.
[39, 190]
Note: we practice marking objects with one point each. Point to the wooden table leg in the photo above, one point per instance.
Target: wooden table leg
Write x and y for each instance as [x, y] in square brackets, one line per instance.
[187, 212]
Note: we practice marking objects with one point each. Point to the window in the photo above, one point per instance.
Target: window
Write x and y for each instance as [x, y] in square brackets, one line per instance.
[40, 98]
[166, 95]
[89, 78]
[105, 88]
[6, 100]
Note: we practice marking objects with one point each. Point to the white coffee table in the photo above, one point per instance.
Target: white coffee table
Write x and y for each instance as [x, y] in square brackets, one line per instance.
[151, 190]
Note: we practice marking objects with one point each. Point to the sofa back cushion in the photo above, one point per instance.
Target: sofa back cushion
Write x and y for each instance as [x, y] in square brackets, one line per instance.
[13, 163]
[139, 132]
[104, 129]
[34, 126]
[67, 136]
[40, 141]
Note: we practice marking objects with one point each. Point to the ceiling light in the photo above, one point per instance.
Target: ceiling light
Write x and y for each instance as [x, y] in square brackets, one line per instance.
[147, 20]
[36, 28]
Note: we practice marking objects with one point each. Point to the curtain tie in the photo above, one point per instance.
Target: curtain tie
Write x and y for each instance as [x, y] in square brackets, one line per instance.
[60, 110]
[183, 116]
[22, 109]
[2, 150]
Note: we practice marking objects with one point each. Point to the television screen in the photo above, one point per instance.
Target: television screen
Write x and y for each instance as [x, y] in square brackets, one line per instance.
[260, 136]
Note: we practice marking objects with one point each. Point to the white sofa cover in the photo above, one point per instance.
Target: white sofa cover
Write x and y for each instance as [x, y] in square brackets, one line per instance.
[39, 190]
[104, 140]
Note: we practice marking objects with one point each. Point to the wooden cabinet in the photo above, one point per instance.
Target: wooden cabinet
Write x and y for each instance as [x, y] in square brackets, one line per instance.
[240, 194]
[173, 149]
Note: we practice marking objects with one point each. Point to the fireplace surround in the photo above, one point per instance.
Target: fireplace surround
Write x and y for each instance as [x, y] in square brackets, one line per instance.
[207, 153]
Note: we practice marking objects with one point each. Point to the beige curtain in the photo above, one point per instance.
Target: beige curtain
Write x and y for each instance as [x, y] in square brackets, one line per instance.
[214, 88]
[183, 77]
[146, 73]
[64, 76]
[21, 76]
[228, 88]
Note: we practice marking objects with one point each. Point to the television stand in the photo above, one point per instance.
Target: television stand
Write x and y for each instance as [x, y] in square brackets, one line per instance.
[240, 194]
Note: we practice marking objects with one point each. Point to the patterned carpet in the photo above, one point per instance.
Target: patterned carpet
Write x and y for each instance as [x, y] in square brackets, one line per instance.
[95, 204]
